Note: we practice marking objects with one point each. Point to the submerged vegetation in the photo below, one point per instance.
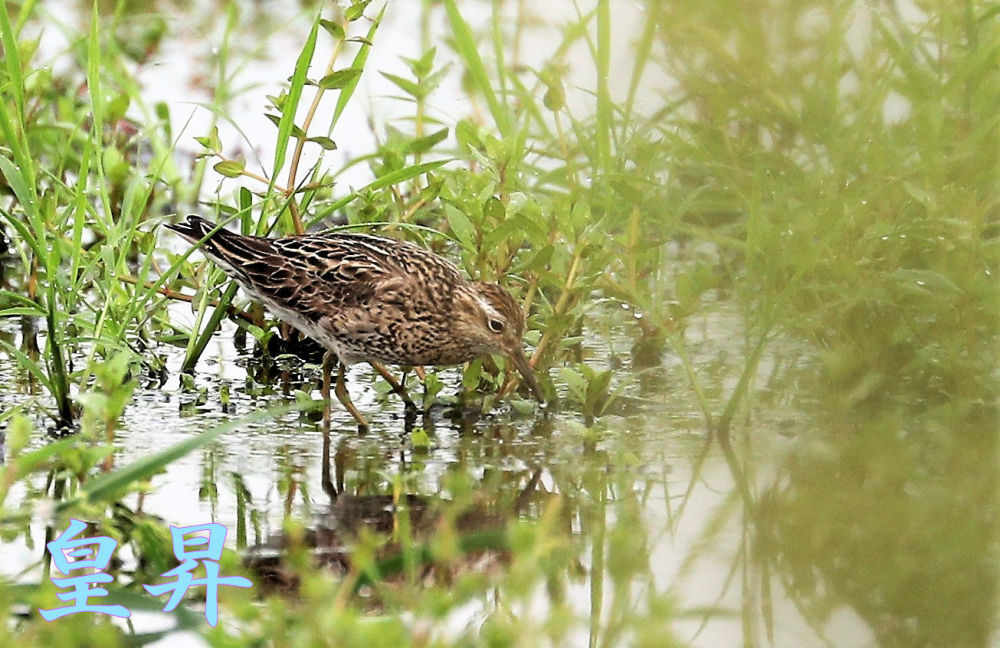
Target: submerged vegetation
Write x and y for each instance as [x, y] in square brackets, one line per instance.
[766, 234]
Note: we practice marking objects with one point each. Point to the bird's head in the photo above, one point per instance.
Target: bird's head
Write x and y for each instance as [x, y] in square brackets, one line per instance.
[492, 322]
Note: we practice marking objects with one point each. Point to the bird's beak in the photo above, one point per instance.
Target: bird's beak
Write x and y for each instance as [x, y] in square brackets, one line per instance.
[522, 364]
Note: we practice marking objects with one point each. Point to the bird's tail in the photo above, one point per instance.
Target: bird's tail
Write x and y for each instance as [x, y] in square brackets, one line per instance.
[193, 229]
[234, 252]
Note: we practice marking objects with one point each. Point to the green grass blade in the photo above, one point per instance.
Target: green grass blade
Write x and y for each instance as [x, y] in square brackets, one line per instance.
[604, 108]
[291, 104]
[643, 54]
[27, 9]
[35, 460]
[468, 49]
[12, 59]
[95, 92]
[55, 358]
[151, 290]
[26, 304]
[358, 64]
[195, 350]
[20, 178]
[400, 175]
[496, 32]
[20, 312]
[94, 84]
[81, 205]
[17, 183]
[23, 360]
[743, 386]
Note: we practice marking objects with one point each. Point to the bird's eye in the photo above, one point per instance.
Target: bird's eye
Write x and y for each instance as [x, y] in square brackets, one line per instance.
[495, 325]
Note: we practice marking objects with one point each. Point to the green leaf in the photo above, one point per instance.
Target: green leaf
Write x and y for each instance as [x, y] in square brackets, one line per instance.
[162, 111]
[22, 312]
[540, 259]
[356, 10]
[277, 101]
[295, 130]
[433, 80]
[461, 227]
[94, 87]
[597, 389]
[493, 210]
[325, 142]
[419, 439]
[197, 346]
[246, 204]
[467, 134]
[509, 231]
[923, 281]
[921, 195]
[427, 142]
[422, 66]
[117, 107]
[576, 383]
[230, 168]
[555, 97]
[211, 141]
[332, 28]
[34, 460]
[523, 406]
[12, 126]
[339, 79]
[604, 113]
[411, 88]
[628, 190]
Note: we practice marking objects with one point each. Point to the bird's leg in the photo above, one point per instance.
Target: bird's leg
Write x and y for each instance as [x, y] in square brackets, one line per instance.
[325, 480]
[394, 384]
[341, 391]
[422, 375]
[409, 420]
[328, 360]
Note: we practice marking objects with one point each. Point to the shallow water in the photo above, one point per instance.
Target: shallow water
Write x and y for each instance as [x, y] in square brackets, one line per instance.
[689, 495]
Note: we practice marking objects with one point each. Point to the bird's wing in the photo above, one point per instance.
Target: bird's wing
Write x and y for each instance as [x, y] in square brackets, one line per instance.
[307, 274]
[314, 274]
[353, 269]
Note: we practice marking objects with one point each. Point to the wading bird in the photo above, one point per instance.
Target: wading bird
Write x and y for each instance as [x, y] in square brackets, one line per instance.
[370, 298]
